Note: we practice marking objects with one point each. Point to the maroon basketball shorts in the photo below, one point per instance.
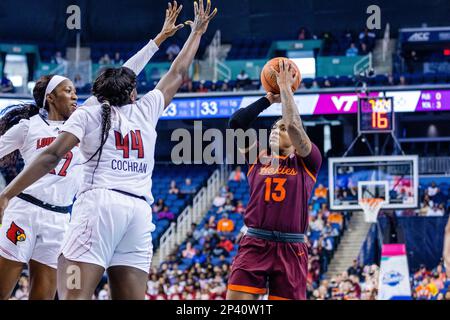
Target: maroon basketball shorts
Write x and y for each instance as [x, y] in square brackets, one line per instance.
[263, 266]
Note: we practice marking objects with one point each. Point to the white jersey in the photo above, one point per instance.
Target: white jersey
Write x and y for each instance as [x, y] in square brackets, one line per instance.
[127, 159]
[33, 136]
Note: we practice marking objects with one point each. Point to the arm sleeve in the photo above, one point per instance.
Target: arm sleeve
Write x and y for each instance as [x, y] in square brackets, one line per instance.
[76, 124]
[152, 106]
[14, 138]
[136, 63]
[313, 161]
[244, 117]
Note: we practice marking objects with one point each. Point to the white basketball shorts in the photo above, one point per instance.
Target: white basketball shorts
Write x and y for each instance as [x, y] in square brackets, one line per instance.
[110, 229]
[29, 232]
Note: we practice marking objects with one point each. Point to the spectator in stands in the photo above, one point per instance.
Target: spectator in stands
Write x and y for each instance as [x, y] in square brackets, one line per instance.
[189, 251]
[166, 214]
[320, 192]
[220, 251]
[199, 257]
[314, 85]
[402, 81]
[187, 187]
[412, 62]
[237, 175]
[173, 189]
[368, 38]
[225, 87]
[58, 58]
[390, 80]
[317, 224]
[201, 87]
[225, 243]
[117, 59]
[104, 293]
[78, 82]
[352, 51]
[228, 207]
[212, 225]
[172, 51]
[435, 211]
[239, 207]
[158, 206]
[6, 85]
[355, 269]
[433, 190]
[303, 34]
[225, 225]
[336, 218]
[242, 79]
[105, 60]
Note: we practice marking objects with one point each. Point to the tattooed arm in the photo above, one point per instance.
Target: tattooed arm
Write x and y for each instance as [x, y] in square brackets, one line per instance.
[290, 115]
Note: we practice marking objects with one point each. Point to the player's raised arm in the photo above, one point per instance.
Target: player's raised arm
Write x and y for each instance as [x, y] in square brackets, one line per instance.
[44, 162]
[138, 62]
[446, 252]
[172, 81]
[291, 117]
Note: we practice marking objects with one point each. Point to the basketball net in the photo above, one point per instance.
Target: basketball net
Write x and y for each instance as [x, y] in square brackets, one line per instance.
[371, 207]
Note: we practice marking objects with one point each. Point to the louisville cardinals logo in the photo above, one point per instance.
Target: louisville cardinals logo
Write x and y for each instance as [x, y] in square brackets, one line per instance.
[15, 234]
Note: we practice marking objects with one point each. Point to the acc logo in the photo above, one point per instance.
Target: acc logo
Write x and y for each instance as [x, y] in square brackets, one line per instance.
[420, 36]
[392, 278]
[15, 233]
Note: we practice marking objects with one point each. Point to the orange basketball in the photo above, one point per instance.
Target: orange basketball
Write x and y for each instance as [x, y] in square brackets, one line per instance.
[269, 78]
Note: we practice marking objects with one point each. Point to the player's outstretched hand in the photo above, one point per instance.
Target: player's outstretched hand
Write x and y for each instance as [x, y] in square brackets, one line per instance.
[286, 75]
[3, 204]
[172, 12]
[202, 17]
[273, 98]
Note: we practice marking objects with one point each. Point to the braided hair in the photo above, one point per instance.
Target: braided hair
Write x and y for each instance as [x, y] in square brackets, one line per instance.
[11, 115]
[113, 87]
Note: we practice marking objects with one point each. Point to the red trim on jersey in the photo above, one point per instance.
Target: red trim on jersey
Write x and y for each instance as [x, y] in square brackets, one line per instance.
[247, 289]
[277, 298]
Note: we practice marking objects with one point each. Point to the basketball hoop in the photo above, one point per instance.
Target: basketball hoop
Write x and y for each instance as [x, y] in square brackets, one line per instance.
[371, 207]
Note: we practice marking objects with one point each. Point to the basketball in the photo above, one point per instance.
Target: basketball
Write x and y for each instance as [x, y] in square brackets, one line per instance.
[269, 78]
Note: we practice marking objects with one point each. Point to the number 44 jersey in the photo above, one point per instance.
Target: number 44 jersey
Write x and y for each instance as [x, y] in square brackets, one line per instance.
[33, 136]
[127, 157]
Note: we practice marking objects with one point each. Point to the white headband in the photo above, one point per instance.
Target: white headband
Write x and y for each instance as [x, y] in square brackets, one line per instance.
[54, 82]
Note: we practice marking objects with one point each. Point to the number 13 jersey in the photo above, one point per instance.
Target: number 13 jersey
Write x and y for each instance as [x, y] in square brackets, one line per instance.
[127, 159]
[279, 194]
[31, 137]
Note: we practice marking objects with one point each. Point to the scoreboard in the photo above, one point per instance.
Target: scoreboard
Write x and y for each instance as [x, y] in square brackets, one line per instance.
[375, 114]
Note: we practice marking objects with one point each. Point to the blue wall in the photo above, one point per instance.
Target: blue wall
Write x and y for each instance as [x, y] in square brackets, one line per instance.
[136, 20]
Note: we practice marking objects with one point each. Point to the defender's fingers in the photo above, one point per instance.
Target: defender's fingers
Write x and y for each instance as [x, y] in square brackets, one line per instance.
[213, 14]
[208, 7]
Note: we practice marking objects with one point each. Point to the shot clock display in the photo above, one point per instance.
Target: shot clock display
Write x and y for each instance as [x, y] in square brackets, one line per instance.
[375, 114]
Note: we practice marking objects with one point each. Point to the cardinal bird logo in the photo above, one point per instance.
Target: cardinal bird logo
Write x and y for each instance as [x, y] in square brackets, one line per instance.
[15, 233]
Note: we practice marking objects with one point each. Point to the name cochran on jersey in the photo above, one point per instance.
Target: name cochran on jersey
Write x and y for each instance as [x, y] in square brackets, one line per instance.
[130, 166]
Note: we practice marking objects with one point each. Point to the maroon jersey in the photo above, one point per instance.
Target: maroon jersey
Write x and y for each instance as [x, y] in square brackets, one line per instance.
[279, 195]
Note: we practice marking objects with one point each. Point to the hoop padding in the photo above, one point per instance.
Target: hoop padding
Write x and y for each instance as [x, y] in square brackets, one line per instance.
[371, 207]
